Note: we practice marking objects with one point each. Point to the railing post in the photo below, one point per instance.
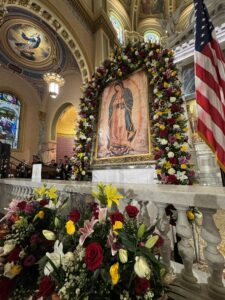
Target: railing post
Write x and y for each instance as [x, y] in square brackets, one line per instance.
[186, 250]
[164, 228]
[212, 255]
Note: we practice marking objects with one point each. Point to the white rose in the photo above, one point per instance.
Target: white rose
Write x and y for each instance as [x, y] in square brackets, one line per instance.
[172, 99]
[141, 267]
[170, 154]
[176, 126]
[125, 57]
[123, 256]
[49, 235]
[166, 59]
[8, 247]
[155, 90]
[164, 142]
[83, 172]
[155, 117]
[171, 171]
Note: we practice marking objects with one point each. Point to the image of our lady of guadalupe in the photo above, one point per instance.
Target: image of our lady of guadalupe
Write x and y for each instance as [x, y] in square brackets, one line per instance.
[121, 127]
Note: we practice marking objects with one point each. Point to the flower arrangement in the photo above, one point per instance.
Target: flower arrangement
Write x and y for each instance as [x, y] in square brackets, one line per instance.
[102, 253]
[169, 124]
[25, 240]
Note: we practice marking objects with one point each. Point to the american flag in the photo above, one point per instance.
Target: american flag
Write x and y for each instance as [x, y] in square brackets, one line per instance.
[210, 83]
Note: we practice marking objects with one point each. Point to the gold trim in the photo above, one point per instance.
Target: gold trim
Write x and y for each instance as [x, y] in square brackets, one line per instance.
[126, 159]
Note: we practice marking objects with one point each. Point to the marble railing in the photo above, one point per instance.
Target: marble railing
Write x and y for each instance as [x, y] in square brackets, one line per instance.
[183, 285]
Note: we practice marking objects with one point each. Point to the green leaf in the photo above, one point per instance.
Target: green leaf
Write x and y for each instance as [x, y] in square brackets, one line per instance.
[127, 242]
[141, 231]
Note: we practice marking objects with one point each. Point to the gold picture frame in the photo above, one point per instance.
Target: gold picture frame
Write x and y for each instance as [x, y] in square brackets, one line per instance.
[123, 129]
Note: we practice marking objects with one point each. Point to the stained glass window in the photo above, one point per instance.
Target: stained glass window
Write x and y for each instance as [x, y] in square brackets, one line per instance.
[151, 36]
[118, 27]
[10, 108]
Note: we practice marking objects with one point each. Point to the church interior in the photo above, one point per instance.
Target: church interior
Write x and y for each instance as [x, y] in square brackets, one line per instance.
[78, 86]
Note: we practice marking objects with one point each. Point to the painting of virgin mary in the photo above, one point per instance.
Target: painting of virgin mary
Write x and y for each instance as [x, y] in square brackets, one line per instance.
[123, 129]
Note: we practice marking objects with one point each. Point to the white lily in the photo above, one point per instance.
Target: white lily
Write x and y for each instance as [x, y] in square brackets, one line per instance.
[55, 257]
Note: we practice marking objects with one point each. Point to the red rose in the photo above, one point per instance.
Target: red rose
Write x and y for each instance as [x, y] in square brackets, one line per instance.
[44, 202]
[5, 288]
[172, 179]
[93, 256]
[116, 216]
[132, 211]
[21, 205]
[35, 239]
[141, 286]
[14, 254]
[74, 215]
[173, 160]
[46, 287]
[163, 133]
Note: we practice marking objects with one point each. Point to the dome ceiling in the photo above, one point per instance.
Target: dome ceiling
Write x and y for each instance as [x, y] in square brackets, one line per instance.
[30, 47]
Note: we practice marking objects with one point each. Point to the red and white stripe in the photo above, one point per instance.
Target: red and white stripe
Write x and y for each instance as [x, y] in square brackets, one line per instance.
[210, 96]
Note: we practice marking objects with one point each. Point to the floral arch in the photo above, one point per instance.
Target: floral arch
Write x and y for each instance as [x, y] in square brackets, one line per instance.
[168, 122]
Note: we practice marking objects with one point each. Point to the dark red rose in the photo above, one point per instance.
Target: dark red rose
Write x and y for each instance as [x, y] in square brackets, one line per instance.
[116, 216]
[175, 108]
[132, 211]
[173, 160]
[14, 254]
[44, 202]
[141, 286]
[172, 179]
[35, 239]
[93, 256]
[5, 288]
[74, 215]
[46, 287]
[171, 121]
[29, 261]
[21, 205]
[163, 133]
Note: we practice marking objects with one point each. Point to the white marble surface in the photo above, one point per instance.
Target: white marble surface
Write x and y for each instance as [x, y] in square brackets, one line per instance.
[200, 196]
[131, 175]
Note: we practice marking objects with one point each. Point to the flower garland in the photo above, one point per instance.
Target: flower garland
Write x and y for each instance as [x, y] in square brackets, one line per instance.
[168, 122]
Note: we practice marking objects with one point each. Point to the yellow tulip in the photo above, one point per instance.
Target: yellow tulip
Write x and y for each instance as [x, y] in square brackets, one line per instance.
[183, 166]
[190, 215]
[70, 227]
[114, 273]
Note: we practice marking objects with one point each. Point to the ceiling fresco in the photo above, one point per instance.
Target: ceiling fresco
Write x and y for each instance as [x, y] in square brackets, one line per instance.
[26, 42]
[28, 46]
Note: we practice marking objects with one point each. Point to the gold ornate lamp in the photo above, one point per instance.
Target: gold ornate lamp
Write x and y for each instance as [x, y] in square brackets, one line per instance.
[54, 81]
[3, 11]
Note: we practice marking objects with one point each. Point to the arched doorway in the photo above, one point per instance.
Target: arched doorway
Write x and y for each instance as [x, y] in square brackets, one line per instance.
[65, 132]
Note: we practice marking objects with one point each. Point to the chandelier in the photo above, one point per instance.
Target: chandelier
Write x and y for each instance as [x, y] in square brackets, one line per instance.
[3, 11]
[54, 81]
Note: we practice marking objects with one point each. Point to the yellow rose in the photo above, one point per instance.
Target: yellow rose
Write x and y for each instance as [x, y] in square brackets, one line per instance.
[166, 85]
[70, 227]
[114, 273]
[178, 136]
[184, 149]
[39, 215]
[158, 171]
[190, 215]
[117, 226]
[162, 127]
[183, 166]
[185, 129]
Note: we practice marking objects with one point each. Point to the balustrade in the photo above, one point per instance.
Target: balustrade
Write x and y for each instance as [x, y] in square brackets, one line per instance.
[208, 199]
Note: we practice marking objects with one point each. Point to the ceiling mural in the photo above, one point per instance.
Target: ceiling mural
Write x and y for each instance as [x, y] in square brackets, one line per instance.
[152, 7]
[28, 43]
